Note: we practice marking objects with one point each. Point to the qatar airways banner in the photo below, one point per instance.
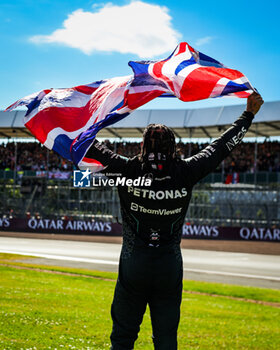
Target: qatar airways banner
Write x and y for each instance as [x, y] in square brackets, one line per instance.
[231, 233]
[83, 227]
[107, 228]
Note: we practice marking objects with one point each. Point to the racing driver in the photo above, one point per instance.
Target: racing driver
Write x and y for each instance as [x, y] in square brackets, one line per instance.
[150, 268]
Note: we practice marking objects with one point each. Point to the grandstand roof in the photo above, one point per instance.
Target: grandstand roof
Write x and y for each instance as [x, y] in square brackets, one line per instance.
[195, 123]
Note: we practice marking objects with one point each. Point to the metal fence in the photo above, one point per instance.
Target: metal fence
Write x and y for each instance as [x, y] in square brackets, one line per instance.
[235, 206]
[212, 205]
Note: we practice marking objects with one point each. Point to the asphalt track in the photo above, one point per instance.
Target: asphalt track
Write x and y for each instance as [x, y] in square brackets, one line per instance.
[258, 270]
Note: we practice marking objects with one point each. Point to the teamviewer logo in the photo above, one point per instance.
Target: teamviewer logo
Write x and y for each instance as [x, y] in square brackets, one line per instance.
[81, 178]
[134, 206]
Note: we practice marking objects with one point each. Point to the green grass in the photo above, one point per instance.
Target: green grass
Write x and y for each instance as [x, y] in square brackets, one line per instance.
[261, 294]
[41, 310]
[254, 293]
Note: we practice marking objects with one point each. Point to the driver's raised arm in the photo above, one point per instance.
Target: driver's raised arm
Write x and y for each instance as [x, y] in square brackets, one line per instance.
[207, 160]
[113, 163]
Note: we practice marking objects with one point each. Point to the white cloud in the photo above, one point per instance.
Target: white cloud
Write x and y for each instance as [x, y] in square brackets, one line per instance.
[137, 28]
[203, 41]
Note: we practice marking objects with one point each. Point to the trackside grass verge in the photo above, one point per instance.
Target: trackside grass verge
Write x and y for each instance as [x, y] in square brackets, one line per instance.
[253, 293]
[44, 310]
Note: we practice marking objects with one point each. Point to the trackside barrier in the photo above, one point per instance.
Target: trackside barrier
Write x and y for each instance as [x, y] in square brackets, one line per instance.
[109, 228]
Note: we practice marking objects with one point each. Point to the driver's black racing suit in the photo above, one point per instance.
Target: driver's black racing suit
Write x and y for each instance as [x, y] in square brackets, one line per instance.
[150, 270]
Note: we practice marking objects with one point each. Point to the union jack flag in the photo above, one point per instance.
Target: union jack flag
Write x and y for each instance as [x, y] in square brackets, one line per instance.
[67, 120]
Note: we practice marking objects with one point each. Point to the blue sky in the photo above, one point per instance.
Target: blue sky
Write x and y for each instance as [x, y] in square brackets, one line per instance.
[66, 43]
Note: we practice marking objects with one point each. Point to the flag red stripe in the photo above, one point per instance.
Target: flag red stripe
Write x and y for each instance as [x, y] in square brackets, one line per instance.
[198, 85]
[92, 161]
[133, 101]
[242, 94]
[157, 71]
[200, 82]
[68, 118]
[182, 48]
[88, 90]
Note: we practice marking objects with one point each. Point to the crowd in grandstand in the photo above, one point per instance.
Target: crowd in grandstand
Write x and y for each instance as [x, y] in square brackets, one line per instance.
[33, 156]
[242, 159]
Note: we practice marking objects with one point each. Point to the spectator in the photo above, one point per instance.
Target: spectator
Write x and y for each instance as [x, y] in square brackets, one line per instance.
[33, 156]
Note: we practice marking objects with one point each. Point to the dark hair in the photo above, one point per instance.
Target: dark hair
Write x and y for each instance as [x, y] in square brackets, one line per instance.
[158, 138]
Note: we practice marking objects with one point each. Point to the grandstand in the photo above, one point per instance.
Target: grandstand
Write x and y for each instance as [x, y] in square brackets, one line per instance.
[186, 123]
[37, 183]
